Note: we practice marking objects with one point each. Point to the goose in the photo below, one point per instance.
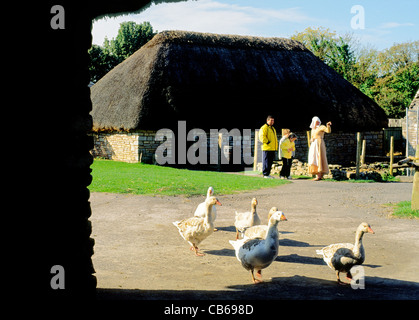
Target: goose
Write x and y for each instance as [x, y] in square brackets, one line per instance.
[201, 208]
[246, 219]
[259, 231]
[271, 212]
[258, 254]
[341, 257]
[194, 230]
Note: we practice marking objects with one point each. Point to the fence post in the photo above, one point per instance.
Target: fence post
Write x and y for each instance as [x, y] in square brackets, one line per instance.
[308, 139]
[407, 139]
[415, 191]
[391, 155]
[358, 153]
[255, 153]
[364, 147]
[220, 150]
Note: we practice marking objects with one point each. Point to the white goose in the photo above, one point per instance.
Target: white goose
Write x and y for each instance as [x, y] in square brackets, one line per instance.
[341, 257]
[257, 254]
[195, 229]
[259, 231]
[201, 208]
[246, 219]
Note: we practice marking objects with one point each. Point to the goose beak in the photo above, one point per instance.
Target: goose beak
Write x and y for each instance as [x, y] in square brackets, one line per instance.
[283, 218]
[370, 230]
[219, 203]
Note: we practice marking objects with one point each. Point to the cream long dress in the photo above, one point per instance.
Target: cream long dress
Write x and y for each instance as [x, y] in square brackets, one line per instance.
[317, 158]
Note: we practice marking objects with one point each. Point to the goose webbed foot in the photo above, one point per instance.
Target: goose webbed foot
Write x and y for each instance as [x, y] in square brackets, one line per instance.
[340, 281]
[258, 274]
[197, 253]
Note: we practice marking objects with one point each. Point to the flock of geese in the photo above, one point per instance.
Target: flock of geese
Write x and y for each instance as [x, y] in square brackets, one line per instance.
[256, 245]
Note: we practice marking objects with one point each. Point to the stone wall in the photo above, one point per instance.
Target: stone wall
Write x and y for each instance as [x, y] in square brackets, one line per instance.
[412, 133]
[129, 147]
[140, 146]
[341, 146]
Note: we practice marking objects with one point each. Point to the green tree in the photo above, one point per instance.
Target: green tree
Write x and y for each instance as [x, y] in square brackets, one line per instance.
[101, 62]
[342, 58]
[316, 40]
[336, 51]
[394, 92]
[131, 36]
[389, 77]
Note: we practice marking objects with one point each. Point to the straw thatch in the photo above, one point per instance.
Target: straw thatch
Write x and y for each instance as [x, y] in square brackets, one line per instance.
[225, 81]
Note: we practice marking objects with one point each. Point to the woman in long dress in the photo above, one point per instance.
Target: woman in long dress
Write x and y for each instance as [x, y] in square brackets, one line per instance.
[317, 158]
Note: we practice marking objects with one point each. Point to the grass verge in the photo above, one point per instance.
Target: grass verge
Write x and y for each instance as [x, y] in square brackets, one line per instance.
[403, 209]
[133, 178]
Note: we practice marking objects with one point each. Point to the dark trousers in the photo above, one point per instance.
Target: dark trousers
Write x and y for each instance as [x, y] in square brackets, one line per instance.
[268, 159]
[286, 167]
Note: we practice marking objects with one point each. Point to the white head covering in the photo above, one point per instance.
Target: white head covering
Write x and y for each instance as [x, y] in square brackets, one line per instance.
[313, 122]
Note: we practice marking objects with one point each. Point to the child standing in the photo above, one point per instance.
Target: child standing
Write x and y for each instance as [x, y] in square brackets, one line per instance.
[287, 147]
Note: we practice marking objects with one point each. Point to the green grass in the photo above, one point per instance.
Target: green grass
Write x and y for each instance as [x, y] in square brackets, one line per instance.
[403, 209]
[133, 178]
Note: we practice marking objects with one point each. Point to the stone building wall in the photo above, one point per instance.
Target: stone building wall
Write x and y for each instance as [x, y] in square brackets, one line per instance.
[140, 146]
[125, 146]
[341, 146]
[412, 134]
[204, 147]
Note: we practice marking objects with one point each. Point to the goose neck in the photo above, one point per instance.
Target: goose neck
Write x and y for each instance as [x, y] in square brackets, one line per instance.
[358, 246]
[208, 210]
[272, 231]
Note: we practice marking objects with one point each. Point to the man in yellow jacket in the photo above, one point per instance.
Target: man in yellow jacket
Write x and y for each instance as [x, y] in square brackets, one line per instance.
[267, 135]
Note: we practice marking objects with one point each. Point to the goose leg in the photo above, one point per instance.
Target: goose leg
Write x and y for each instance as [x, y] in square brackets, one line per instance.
[340, 281]
[253, 277]
[192, 248]
[197, 253]
[237, 234]
[259, 274]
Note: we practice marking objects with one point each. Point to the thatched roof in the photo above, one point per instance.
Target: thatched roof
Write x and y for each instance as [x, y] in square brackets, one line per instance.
[225, 81]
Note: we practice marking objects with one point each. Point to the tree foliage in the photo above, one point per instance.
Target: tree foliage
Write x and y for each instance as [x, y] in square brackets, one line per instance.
[131, 36]
[390, 77]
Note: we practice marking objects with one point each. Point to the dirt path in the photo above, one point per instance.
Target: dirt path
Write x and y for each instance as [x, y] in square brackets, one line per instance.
[139, 254]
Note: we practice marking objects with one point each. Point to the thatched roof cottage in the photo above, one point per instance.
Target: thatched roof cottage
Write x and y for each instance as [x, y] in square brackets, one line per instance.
[224, 81]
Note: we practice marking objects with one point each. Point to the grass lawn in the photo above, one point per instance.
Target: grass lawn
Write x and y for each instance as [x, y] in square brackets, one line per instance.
[134, 178]
[403, 209]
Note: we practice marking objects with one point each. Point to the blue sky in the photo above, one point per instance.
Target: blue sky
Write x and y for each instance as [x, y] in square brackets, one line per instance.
[385, 21]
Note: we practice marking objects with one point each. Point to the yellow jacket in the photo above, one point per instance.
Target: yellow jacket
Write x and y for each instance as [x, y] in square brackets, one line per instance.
[285, 145]
[267, 135]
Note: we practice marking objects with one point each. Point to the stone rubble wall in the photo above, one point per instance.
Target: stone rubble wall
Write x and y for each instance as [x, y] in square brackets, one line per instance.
[373, 171]
[412, 133]
[341, 146]
[129, 147]
[140, 146]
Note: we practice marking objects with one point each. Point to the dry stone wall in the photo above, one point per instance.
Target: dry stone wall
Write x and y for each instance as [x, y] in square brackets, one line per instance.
[140, 146]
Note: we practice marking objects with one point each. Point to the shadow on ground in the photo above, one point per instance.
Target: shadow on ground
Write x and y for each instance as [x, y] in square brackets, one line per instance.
[295, 288]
